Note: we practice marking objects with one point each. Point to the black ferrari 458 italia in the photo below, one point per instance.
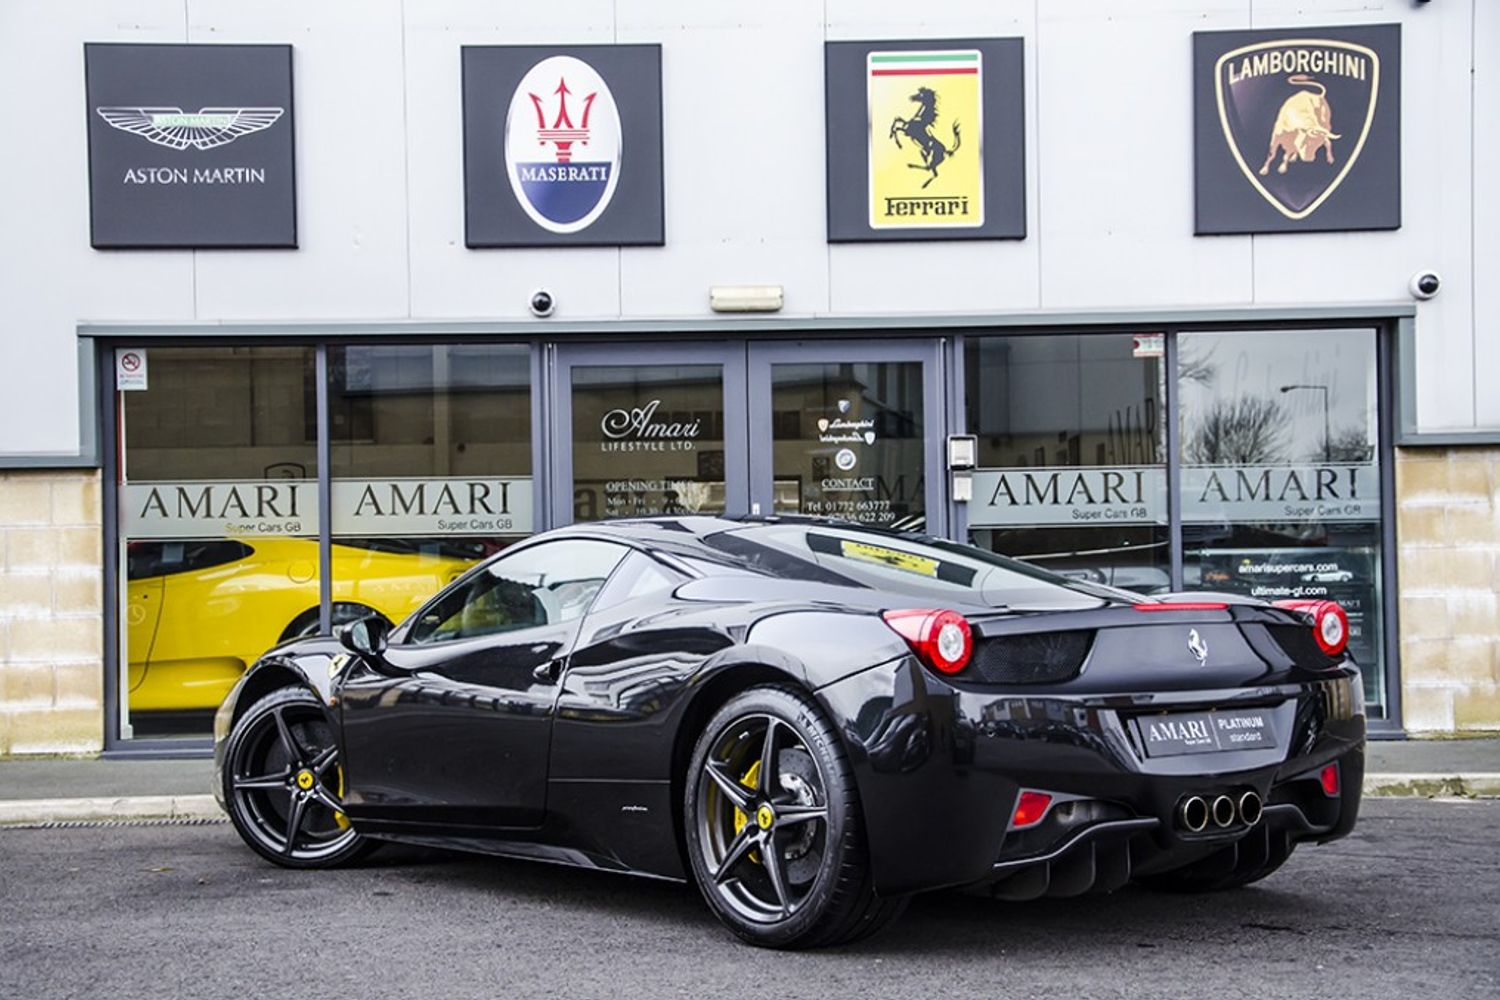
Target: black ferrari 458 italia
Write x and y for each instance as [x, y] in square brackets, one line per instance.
[811, 720]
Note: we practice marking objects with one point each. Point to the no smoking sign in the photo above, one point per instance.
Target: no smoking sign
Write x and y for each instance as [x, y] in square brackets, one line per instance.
[130, 369]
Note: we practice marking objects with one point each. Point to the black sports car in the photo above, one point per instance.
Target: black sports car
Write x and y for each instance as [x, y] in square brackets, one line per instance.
[811, 720]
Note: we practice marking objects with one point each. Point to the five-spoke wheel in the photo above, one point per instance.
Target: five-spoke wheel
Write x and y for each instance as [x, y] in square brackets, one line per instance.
[283, 783]
[774, 828]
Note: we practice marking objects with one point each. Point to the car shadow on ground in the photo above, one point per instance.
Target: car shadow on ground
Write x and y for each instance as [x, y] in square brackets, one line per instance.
[944, 922]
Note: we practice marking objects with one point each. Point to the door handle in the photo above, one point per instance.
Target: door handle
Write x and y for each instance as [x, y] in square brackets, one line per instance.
[548, 672]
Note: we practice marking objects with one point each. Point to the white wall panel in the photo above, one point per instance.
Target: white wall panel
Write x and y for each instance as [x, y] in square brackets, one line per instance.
[1436, 206]
[351, 216]
[1116, 140]
[379, 148]
[1486, 273]
[743, 143]
[449, 280]
[941, 276]
[49, 276]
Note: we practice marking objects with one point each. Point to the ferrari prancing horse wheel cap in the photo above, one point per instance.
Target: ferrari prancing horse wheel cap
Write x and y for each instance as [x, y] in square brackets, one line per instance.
[764, 817]
[305, 780]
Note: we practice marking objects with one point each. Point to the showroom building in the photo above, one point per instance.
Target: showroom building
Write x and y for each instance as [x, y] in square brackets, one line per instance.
[309, 308]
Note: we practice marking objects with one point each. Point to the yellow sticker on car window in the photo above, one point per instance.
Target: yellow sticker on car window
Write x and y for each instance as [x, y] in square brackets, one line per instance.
[894, 558]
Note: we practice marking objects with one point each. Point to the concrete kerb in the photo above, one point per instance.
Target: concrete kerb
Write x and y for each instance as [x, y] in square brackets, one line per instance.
[1468, 786]
[31, 812]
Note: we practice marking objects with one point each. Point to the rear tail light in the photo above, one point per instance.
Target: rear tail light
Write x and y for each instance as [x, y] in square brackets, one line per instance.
[1031, 808]
[1329, 778]
[1330, 623]
[942, 640]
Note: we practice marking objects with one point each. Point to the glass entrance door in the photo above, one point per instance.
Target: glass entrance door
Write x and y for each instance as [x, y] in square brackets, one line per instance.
[649, 429]
[831, 429]
[852, 431]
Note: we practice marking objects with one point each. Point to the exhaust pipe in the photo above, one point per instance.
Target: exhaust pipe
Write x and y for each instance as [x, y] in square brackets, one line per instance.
[1193, 814]
[1223, 810]
[1250, 808]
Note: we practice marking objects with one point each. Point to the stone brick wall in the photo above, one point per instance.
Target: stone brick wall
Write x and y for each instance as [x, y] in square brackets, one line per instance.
[51, 613]
[1448, 533]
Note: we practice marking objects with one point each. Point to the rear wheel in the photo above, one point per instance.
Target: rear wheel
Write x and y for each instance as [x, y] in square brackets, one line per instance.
[774, 826]
[283, 783]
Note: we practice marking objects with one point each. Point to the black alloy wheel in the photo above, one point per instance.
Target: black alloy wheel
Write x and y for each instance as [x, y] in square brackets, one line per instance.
[283, 783]
[774, 826]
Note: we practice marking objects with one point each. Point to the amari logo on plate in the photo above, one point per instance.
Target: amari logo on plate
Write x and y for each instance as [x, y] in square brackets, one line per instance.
[562, 144]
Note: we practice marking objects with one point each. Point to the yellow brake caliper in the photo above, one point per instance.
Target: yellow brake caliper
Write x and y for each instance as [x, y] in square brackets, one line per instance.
[339, 817]
[750, 780]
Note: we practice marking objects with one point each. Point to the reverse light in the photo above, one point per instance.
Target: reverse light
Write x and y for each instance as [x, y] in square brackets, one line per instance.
[1031, 807]
[1330, 623]
[1329, 779]
[942, 640]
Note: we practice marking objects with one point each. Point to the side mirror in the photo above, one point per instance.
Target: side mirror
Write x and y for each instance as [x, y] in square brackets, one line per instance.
[366, 636]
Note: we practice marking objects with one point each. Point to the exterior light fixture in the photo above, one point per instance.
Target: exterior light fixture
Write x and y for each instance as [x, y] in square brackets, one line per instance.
[745, 298]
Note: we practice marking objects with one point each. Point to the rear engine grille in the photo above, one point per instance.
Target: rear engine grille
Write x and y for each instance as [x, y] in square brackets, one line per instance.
[1033, 658]
[1298, 642]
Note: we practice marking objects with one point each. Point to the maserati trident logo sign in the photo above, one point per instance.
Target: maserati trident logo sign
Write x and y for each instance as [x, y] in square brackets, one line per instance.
[205, 129]
[1197, 647]
[562, 144]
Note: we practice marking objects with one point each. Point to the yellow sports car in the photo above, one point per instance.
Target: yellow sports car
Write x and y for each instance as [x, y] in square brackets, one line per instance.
[199, 612]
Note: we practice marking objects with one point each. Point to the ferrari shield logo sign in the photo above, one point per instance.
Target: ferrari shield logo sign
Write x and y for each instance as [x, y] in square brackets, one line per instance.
[1298, 85]
[562, 144]
[1298, 130]
[926, 138]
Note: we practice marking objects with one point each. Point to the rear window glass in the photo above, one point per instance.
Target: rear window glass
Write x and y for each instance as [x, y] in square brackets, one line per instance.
[931, 569]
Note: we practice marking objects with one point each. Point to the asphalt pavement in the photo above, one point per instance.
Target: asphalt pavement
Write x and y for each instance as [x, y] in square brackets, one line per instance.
[1405, 907]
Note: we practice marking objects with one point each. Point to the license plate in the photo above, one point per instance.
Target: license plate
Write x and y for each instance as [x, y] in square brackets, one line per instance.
[1206, 732]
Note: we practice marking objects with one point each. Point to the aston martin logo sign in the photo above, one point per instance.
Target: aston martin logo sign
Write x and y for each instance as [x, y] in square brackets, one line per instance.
[205, 129]
[191, 146]
[1298, 129]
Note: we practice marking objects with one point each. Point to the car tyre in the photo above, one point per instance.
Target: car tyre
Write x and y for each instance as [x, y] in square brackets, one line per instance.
[282, 783]
[775, 830]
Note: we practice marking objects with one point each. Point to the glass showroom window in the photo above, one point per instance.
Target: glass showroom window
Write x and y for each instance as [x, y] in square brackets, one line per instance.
[1071, 454]
[430, 468]
[1280, 455]
[218, 509]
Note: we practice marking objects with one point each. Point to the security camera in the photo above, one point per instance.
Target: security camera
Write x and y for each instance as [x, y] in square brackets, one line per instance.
[542, 303]
[1425, 284]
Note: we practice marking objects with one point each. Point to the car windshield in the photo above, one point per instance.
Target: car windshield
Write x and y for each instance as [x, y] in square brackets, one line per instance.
[934, 570]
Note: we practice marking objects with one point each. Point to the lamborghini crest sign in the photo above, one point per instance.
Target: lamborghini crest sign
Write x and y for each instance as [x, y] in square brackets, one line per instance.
[1298, 129]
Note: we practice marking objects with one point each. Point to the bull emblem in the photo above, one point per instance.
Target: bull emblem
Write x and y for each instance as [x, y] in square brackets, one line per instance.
[918, 128]
[1303, 126]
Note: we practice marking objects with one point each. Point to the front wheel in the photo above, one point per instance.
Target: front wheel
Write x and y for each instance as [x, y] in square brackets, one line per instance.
[774, 826]
[283, 783]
